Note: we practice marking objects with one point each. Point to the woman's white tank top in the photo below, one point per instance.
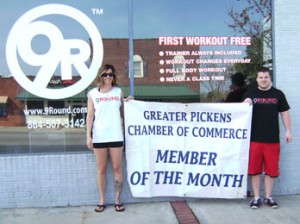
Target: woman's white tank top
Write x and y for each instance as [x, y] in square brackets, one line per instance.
[107, 125]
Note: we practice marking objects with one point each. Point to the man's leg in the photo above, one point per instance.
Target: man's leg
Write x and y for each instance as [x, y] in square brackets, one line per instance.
[255, 182]
[269, 183]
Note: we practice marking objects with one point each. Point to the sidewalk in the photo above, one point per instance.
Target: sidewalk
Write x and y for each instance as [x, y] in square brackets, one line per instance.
[206, 211]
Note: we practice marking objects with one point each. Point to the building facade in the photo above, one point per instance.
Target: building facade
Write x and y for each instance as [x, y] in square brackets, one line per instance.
[66, 177]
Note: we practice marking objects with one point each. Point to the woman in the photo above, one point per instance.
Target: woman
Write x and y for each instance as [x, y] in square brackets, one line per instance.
[104, 131]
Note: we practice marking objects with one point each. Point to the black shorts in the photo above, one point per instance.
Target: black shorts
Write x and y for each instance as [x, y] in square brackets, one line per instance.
[108, 145]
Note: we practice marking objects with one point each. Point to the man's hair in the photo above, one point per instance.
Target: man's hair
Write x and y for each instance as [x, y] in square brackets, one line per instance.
[238, 79]
[263, 69]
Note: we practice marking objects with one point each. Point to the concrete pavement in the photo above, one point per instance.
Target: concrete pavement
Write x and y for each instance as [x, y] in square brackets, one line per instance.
[206, 211]
[220, 211]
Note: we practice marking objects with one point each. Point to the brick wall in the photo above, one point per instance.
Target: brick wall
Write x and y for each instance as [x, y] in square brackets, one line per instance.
[10, 88]
[116, 52]
[47, 180]
[287, 78]
[56, 180]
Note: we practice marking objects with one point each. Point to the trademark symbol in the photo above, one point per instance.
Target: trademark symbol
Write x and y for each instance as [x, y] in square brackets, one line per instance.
[97, 11]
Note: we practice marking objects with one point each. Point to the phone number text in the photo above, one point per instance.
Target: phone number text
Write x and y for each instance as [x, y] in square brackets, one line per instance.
[56, 123]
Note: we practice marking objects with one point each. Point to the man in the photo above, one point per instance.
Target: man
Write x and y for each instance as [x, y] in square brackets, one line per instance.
[237, 88]
[267, 102]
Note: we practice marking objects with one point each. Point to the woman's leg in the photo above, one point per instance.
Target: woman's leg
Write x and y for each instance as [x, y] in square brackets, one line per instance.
[101, 159]
[116, 158]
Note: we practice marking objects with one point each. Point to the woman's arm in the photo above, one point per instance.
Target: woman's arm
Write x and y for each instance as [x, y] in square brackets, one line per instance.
[89, 122]
[122, 101]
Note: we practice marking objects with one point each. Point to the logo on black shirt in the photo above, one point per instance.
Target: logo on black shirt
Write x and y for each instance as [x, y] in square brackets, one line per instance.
[265, 100]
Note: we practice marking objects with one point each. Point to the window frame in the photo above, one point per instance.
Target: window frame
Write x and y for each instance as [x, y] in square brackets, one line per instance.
[177, 66]
[138, 70]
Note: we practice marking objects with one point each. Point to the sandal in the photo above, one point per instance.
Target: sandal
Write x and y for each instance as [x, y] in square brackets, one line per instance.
[119, 207]
[100, 208]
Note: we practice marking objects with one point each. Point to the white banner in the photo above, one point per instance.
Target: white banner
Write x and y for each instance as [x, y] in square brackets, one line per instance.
[187, 150]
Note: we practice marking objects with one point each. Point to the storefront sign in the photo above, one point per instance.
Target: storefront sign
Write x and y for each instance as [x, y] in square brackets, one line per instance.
[59, 54]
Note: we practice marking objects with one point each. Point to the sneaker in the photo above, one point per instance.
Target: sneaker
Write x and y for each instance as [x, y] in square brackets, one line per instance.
[255, 203]
[270, 202]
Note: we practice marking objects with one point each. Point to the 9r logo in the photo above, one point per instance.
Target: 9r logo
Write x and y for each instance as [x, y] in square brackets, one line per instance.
[59, 54]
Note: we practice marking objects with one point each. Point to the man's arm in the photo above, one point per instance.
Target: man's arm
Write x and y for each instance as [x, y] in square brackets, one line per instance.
[286, 119]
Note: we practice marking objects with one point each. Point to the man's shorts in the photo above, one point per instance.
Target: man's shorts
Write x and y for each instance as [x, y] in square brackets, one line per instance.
[264, 157]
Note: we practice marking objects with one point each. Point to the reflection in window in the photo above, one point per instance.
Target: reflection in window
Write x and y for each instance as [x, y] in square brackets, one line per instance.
[35, 104]
[138, 66]
[59, 105]
[178, 67]
[3, 106]
[3, 110]
[56, 104]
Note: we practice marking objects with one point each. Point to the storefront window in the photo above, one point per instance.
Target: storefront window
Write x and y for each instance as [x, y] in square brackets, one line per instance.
[138, 66]
[45, 74]
[3, 110]
[35, 105]
[179, 68]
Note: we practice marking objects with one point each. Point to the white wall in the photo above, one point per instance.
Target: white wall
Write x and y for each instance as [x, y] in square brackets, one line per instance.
[287, 78]
[56, 180]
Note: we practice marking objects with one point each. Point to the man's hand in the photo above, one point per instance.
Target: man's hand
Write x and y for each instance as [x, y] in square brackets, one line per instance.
[248, 100]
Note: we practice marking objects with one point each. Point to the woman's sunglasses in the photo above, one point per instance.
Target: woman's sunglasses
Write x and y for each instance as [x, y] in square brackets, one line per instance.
[107, 75]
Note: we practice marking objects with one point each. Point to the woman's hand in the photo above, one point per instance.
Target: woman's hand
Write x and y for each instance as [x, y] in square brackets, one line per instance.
[89, 143]
[129, 98]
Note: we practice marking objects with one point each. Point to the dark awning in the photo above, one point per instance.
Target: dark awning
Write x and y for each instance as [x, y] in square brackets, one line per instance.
[24, 95]
[161, 92]
[156, 92]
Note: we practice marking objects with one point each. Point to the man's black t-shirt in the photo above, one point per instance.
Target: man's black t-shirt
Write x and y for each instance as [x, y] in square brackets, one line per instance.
[266, 106]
